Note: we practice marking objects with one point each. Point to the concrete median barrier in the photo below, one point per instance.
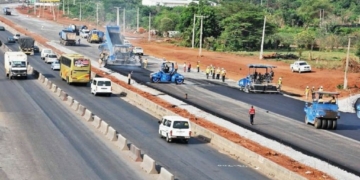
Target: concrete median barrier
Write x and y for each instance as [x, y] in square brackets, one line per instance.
[165, 175]
[35, 73]
[30, 69]
[96, 122]
[49, 84]
[88, 116]
[104, 126]
[135, 153]
[58, 91]
[41, 78]
[69, 100]
[46, 80]
[122, 143]
[148, 165]
[81, 110]
[111, 134]
[54, 88]
[75, 105]
[63, 96]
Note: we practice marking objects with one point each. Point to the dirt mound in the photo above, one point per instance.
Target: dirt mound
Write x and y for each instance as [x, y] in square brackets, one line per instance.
[354, 65]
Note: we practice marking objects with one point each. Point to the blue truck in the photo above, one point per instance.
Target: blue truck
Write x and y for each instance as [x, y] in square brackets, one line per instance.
[7, 11]
[259, 79]
[167, 74]
[67, 37]
[323, 111]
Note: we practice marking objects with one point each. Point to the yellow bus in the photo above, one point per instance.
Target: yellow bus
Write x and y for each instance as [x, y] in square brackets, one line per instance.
[75, 68]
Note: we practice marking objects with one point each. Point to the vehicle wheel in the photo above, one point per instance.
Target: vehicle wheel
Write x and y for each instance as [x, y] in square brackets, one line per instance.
[109, 94]
[160, 134]
[179, 81]
[323, 124]
[7, 75]
[155, 80]
[317, 123]
[334, 125]
[246, 89]
[168, 139]
[329, 124]
[299, 71]
[306, 120]
[292, 69]
[186, 141]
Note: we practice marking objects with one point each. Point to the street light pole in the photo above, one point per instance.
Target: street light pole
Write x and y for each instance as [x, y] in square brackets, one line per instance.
[117, 16]
[201, 33]
[149, 38]
[97, 15]
[262, 40]
[68, 11]
[193, 33]
[80, 11]
[347, 64]
[137, 20]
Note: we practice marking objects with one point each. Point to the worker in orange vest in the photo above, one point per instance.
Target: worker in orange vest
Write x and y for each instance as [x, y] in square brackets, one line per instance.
[198, 66]
[252, 115]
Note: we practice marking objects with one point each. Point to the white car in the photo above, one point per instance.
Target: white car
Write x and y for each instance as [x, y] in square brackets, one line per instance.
[101, 86]
[138, 51]
[300, 66]
[44, 52]
[84, 33]
[55, 65]
[175, 127]
[16, 37]
[50, 58]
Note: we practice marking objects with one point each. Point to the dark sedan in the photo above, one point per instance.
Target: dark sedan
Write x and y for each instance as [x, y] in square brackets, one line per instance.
[36, 49]
[2, 28]
[11, 39]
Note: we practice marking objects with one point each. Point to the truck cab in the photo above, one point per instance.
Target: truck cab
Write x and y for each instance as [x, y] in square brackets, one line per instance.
[15, 64]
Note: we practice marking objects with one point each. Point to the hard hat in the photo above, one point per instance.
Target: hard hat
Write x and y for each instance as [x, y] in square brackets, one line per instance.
[321, 87]
[307, 86]
[313, 87]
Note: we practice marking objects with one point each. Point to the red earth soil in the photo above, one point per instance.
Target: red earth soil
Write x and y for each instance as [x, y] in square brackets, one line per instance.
[232, 64]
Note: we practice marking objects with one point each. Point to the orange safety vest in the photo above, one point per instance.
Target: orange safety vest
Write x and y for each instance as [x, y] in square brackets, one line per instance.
[252, 111]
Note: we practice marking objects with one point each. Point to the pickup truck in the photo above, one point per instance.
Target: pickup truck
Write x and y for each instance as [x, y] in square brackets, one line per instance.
[300, 66]
[138, 51]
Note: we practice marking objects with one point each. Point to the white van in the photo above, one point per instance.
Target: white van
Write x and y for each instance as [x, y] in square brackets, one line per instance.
[44, 52]
[101, 86]
[175, 127]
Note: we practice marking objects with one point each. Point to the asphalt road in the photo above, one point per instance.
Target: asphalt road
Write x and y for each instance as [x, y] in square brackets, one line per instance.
[40, 139]
[297, 137]
[195, 160]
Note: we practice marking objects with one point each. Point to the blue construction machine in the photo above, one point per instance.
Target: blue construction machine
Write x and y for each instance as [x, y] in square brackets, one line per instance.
[117, 53]
[167, 73]
[259, 79]
[323, 112]
[357, 107]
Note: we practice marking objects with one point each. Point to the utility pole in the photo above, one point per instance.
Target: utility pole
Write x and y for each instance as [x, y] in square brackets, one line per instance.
[53, 11]
[80, 11]
[201, 33]
[34, 8]
[74, 2]
[97, 15]
[193, 33]
[137, 20]
[68, 12]
[117, 16]
[347, 64]
[63, 2]
[124, 21]
[149, 38]
[262, 40]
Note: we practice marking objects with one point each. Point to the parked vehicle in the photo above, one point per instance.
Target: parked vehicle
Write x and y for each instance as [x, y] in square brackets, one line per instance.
[138, 51]
[67, 37]
[11, 39]
[55, 65]
[84, 33]
[26, 45]
[323, 114]
[101, 86]
[175, 127]
[15, 64]
[50, 58]
[300, 66]
[73, 28]
[16, 37]
[167, 74]
[44, 52]
[2, 28]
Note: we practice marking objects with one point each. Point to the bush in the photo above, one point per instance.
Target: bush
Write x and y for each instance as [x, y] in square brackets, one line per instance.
[340, 86]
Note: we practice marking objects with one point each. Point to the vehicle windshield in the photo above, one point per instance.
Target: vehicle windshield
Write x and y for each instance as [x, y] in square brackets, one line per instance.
[56, 62]
[303, 63]
[181, 125]
[17, 35]
[52, 56]
[47, 51]
[18, 64]
[104, 83]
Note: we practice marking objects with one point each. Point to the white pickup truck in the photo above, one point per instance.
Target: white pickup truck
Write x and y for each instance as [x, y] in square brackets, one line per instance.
[138, 51]
[300, 66]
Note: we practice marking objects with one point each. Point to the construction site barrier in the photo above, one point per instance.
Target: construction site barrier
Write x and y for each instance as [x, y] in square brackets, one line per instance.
[148, 165]
[165, 175]
[75, 105]
[111, 134]
[88, 115]
[122, 143]
[69, 100]
[81, 110]
[63, 96]
[135, 153]
[54, 88]
[96, 122]
[104, 126]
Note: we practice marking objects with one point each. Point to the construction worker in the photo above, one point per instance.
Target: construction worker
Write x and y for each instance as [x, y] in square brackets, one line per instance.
[189, 67]
[101, 59]
[218, 71]
[320, 90]
[176, 67]
[79, 41]
[185, 66]
[252, 115]
[279, 83]
[207, 71]
[145, 63]
[198, 66]
[213, 74]
[307, 92]
[313, 93]
[223, 74]
[333, 100]
[211, 69]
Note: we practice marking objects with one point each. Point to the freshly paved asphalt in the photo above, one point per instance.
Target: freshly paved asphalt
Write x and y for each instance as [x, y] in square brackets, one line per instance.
[51, 141]
[348, 125]
[195, 160]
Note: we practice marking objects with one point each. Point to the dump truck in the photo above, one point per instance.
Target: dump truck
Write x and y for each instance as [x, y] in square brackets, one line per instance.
[26, 45]
[67, 37]
[75, 29]
[15, 64]
[7, 11]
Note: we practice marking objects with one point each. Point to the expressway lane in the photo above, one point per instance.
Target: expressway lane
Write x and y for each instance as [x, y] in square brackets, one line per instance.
[40, 139]
[303, 138]
[196, 160]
